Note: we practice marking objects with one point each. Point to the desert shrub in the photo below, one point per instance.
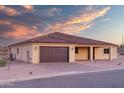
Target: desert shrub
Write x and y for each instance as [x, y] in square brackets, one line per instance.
[2, 63]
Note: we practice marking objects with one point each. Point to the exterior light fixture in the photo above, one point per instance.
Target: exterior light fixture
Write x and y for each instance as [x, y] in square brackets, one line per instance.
[35, 47]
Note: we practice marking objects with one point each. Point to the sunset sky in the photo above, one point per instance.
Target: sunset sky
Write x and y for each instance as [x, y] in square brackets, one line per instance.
[104, 23]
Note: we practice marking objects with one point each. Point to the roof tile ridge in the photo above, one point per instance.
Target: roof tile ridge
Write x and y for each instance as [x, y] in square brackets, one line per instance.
[93, 39]
[62, 39]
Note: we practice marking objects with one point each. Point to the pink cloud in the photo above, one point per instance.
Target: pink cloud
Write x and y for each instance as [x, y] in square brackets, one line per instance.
[53, 11]
[88, 16]
[21, 31]
[5, 22]
[18, 30]
[9, 11]
[28, 7]
[81, 21]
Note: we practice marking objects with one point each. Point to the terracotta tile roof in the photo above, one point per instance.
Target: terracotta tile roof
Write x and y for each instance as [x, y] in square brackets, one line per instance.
[58, 37]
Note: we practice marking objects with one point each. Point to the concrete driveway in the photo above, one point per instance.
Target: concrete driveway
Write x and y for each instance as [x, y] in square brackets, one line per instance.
[21, 71]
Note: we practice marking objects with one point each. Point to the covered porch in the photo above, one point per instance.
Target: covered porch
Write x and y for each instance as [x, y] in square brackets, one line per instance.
[90, 53]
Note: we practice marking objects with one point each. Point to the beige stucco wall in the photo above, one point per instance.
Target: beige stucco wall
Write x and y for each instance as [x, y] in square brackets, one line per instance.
[99, 53]
[71, 54]
[36, 52]
[82, 54]
[23, 53]
[114, 52]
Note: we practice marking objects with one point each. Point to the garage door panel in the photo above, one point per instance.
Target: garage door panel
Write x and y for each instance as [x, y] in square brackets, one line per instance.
[53, 54]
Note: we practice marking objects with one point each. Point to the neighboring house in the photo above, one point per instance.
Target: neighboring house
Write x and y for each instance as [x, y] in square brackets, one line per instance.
[60, 47]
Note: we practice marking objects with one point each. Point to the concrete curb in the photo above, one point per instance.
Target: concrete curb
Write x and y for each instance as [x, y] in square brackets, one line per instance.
[54, 75]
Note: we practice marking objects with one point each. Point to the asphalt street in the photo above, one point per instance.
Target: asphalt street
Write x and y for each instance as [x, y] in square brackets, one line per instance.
[106, 79]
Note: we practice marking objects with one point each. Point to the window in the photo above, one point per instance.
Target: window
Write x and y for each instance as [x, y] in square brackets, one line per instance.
[106, 51]
[17, 50]
[76, 50]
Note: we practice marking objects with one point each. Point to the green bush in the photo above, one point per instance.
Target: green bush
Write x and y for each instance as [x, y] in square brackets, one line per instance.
[2, 63]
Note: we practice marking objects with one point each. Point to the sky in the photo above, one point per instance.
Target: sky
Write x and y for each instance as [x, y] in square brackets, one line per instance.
[18, 23]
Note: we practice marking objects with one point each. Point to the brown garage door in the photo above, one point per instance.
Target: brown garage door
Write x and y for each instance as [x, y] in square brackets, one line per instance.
[53, 54]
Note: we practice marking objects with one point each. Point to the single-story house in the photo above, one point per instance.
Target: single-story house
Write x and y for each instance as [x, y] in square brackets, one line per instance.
[60, 47]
